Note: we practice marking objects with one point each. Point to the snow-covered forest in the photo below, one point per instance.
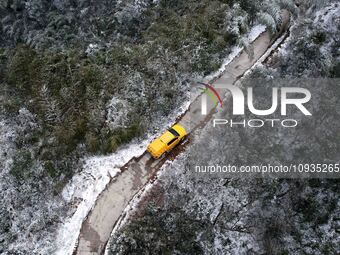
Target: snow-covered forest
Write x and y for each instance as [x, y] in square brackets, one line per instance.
[191, 213]
[83, 78]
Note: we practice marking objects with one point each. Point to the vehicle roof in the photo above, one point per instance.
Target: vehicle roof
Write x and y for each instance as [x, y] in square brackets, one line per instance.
[166, 137]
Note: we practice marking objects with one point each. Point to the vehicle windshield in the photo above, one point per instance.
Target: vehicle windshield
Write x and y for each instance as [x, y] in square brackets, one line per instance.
[173, 131]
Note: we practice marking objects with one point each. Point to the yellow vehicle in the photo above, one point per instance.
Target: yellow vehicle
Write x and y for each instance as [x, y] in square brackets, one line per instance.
[167, 141]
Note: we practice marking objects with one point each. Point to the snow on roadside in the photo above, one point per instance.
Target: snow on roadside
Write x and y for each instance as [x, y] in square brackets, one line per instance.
[134, 202]
[255, 32]
[84, 188]
[275, 46]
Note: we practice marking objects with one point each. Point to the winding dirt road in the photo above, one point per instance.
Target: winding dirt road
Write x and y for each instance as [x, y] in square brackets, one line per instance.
[97, 227]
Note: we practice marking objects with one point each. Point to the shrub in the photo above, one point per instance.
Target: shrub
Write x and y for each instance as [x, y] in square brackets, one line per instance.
[49, 167]
[319, 37]
[21, 164]
[335, 72]
[92, 142]
[23, 69]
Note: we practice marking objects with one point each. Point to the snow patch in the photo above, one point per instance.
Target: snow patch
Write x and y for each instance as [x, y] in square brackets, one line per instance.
[255, 32]
[92, 48]
[117, 111]
[326, 18]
